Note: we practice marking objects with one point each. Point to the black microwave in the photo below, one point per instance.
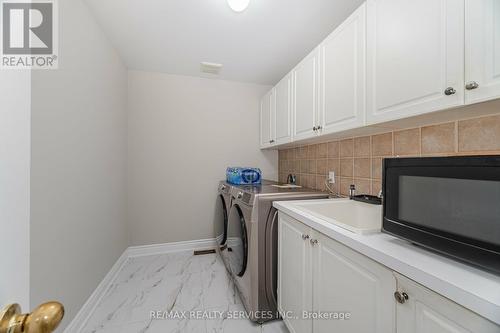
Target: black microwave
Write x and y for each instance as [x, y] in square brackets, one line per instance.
[448, 204]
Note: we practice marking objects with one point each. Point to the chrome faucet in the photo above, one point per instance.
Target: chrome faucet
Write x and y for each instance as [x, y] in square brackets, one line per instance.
[291, 179]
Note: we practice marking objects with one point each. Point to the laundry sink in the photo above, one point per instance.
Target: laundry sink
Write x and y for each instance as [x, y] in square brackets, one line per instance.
[358, 217]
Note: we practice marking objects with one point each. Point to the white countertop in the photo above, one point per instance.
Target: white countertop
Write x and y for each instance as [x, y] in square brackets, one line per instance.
[468, 286]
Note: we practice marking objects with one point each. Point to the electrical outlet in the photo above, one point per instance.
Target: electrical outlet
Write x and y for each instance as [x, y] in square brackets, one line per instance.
[331, 177]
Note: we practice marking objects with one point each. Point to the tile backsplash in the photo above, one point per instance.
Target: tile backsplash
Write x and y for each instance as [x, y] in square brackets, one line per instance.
[358, 160]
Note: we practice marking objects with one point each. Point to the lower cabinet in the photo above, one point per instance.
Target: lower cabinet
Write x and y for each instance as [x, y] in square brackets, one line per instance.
[421, 310]
[324, 286]
[346, 281]
[294, 274]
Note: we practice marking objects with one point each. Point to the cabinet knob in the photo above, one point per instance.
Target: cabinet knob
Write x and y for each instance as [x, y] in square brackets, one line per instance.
[318, 128]
[472, 85]
[305, 237]
[450, 91]
[315, 128]
[313, 242]
[401, 297]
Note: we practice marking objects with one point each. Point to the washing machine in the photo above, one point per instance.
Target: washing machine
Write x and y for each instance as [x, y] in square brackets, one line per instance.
[220, 220]
[251, 250]
[222, 208]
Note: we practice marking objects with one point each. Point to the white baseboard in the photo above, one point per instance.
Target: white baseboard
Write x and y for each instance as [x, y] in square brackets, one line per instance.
[78, 323]
[147, 250]
[88, 308]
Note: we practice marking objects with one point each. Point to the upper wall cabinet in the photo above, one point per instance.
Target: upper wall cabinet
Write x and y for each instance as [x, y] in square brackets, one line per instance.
[390, 60]
[482, 50]
[343, 75]
[276, 114]
[415, 57]
[267, 119]
[305, 97]
[283, 109]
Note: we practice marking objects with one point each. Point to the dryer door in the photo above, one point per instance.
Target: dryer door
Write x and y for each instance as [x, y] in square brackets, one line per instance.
[237, 241]
[220, 221]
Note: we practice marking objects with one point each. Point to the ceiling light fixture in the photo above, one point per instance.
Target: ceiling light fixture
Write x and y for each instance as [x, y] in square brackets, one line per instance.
[238, 5]
[210, 67]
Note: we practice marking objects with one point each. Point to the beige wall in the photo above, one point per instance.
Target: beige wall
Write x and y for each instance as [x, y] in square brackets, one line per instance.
[358, 160]
[78, 172]
[183, 133]
[14, 188]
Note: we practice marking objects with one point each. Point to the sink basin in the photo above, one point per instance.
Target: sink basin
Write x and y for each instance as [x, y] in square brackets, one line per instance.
[358, 217]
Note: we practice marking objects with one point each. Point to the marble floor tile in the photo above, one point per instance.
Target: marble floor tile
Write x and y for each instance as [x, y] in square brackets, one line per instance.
[276, 326]
[233, 321]
[197, 288]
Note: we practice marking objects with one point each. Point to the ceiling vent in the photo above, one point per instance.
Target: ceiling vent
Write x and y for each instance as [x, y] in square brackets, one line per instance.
[210, 67]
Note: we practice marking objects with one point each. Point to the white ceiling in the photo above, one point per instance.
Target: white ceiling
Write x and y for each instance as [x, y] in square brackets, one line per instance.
[259, 45]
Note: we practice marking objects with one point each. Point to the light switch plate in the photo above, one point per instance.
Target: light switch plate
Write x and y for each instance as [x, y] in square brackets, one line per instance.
[331, 177]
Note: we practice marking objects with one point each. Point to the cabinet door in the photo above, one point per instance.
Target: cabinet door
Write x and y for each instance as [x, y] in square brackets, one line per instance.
[415, 53]
[482, 50]
[345, 280]
[283, 108]
[343, 75]
[427, 312]
[294, 274]
[305, 77]
[266, 119]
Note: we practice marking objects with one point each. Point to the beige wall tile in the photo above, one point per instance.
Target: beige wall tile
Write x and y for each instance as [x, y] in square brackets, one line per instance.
[295, 168]
[362, 157]
[322, 167]
[479, 134]
[438, 139]
[302, 153]
[345, 184]
[304, 166]
[346, 167]
[334, 165]
[312, 167]
[362, 147]
[336, 186]
[376, 187]
[281, 165]
[347, 148]
[363, 186]
[407, 142]
[362, 168]
[311, 151]
[309, 181]
[282, 155]
[382, 145]
[322, 150]
[333, 149]
[377, 167]
[320, 182]
[282, 178]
